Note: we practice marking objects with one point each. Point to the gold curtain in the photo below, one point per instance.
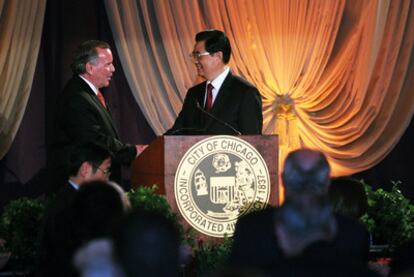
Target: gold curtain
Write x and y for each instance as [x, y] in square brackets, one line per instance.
[20, 32]
[334, 75]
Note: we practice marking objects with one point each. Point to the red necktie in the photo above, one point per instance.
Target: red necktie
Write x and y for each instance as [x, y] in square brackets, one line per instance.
[101, 99]
[209, 100]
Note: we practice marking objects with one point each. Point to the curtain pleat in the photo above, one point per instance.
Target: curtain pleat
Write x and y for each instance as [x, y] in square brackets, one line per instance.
[21, 25]
[333, 75]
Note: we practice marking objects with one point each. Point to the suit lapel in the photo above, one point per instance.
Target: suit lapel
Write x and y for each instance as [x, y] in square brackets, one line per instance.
[106, 113]
[201, 96]
[222, 96]
[94, 100]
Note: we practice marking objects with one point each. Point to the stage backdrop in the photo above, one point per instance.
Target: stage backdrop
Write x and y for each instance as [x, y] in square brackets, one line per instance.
[334, 75]
[338, 78]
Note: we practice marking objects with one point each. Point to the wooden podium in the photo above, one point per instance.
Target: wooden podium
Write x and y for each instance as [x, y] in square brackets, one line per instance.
[158, 164]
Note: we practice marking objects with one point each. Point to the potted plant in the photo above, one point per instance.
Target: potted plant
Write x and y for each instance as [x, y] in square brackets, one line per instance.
[4, 254]
[390, 216]
[19, 226]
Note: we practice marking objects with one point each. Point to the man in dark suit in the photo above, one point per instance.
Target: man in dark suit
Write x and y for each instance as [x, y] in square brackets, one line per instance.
[256, 243]
[224, 104]
[86, 163]
[83, 114]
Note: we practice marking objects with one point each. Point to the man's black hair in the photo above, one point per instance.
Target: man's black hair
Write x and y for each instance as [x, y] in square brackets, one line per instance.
[215, 41]
[90, 153]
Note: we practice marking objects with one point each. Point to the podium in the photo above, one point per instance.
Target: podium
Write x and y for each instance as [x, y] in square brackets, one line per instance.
[160, 162]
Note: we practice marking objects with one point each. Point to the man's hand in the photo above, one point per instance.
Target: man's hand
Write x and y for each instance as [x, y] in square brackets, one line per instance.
[140, 148]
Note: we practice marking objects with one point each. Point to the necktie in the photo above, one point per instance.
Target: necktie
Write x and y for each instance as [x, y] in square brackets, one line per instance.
[101, 99]
[209, 100]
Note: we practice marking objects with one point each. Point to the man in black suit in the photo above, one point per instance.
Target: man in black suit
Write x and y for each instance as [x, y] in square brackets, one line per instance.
[256, 243]
[83, 115]
[86, 163]
[224, 104]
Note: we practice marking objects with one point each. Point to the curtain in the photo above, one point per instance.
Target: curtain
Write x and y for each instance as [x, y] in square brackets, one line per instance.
[334, 75]
[21, 25]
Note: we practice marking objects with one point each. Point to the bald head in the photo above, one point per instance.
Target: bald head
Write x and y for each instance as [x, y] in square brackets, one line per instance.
[305, 171]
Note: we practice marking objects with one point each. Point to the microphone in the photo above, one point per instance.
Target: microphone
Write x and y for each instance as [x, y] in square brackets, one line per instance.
[182, 131]
[237, 132]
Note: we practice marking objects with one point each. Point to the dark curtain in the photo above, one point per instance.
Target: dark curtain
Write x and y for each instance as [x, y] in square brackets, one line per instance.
[397, 166]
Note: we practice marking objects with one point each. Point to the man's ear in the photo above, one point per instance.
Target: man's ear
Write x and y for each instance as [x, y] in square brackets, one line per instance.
[88, 68]
[219, 55]
[85, 169]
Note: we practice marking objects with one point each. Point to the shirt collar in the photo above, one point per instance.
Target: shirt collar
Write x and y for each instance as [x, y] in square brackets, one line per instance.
[73, 184]
[94, 89]
[219, 80]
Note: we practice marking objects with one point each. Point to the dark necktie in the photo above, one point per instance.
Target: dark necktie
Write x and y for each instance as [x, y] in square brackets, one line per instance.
[209, 100]
[101, 99]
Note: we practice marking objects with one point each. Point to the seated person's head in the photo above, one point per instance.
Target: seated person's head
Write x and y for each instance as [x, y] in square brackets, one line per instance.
[89, 162]
[302, 220]
[147, 244]
[124, 198]
[305, 171]
[97, 209]
[348, 197]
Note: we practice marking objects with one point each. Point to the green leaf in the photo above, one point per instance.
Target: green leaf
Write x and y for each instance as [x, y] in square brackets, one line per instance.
[390, 216]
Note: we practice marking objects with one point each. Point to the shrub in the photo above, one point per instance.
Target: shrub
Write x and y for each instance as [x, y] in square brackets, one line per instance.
[389, 217]
[210, 257]
[20, 225]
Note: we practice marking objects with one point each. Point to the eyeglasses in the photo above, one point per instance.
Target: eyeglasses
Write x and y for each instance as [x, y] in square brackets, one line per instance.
[106, 172]
[195, 56]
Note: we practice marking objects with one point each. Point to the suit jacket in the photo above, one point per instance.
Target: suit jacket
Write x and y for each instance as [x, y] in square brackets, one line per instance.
[83, 119]
[55, 239]
[256, 246]
[319, 259]
[238, 104]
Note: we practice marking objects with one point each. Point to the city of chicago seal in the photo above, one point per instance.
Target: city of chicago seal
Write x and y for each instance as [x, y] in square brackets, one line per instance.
[219, 179]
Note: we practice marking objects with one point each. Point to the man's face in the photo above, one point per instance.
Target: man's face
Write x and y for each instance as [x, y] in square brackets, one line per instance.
[102, 173]
[208, 66]
[101, 68]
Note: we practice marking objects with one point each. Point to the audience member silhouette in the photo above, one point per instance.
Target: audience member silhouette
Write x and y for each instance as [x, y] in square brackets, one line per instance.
[95, 259]
[147, 245]
[306, 172]
[305, 225]
[348, 197]
[87, 162]
[303, 220]
[98, 210]
[402, 260]
[350, 202]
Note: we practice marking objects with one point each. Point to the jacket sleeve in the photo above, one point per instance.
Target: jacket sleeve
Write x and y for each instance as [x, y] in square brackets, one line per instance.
[187, 121]
[82, 122]
[250, 118]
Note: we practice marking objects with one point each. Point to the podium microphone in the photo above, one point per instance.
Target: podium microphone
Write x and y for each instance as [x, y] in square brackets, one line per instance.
[184, 131]
[216, 118]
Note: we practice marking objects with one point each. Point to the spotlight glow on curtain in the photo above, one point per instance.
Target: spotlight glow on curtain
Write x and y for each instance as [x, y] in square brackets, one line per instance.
[334, 75]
